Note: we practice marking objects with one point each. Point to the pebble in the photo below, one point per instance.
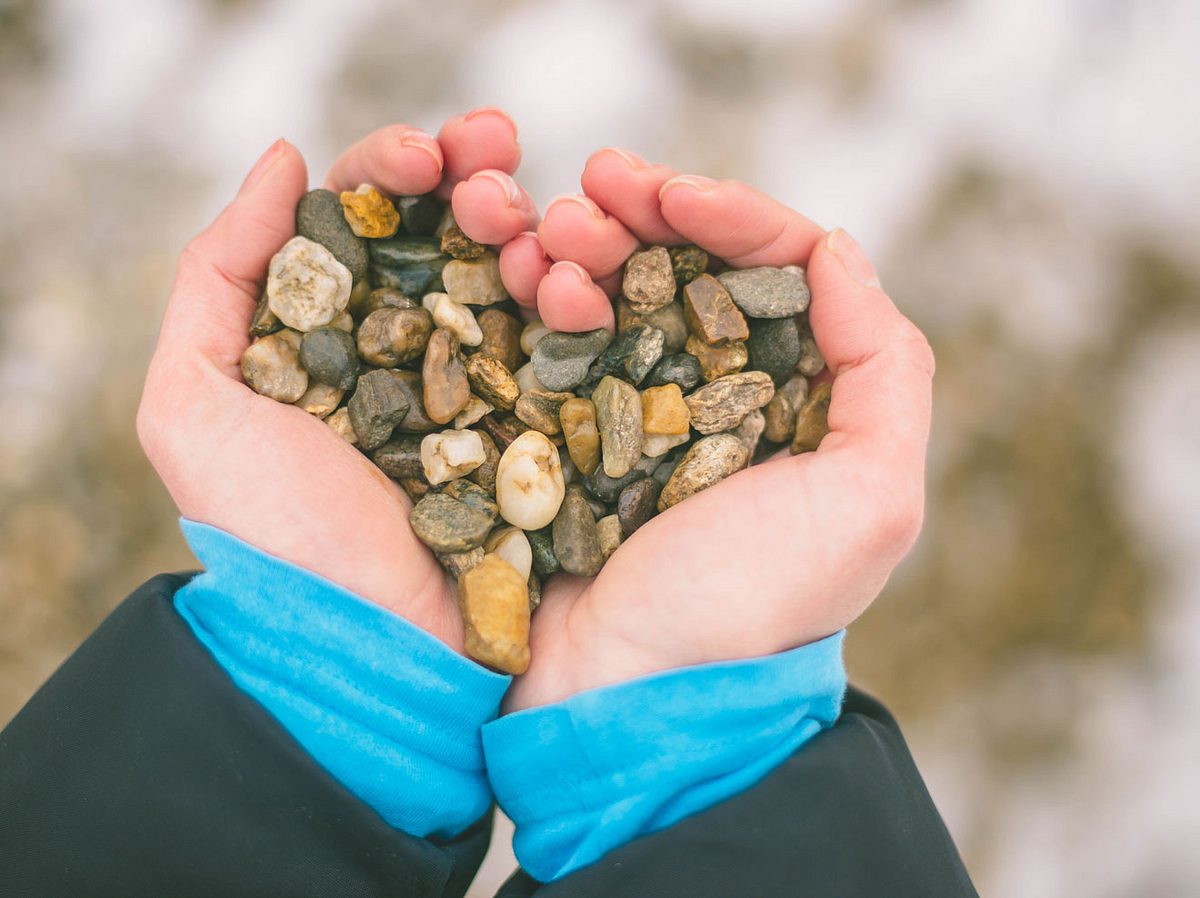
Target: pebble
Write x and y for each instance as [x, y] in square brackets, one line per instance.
[570, 472]
[475, 283]
[344, 322]
[607, 489]
[485, 474]
[649, 281]
[447, 525]
[511, 544]
[541, 544]
[458, 563]
[717, 361]
[664, 411]
[379, 403]
[609, 530]
[780, 412]
[811, 361]
[330, 357]
[306, 286]
[667, 466]
[750, 431]
[812, 421]
[619, 421]
[774, 347]
[444, 377]
[264, 321]
[473, 495]
[400, 457]
[540, 410]
[629, 356]
[491, 382]
[271, 367]
[475, 409]
[459, 246]
[415, 420]
[577, 417]
[369, 213]
[576, 539]
[668, 319]
[319, 399]
[529, 482]
[501, 338]
[688, 263]
[722, 404]
[405, 251]
[339, 423]
[710, 312]
[767, 292]
[504, 428]
[381, 298]
[420, 215]
[656, 445]
[319, 218]
[415, 487]
[493, 599]
[637, 504]
[412, 280]
[531, 333]
[709, 461]
[682, 369]
[526, 379]
[535, 592]
[458, 318]
[451, 454]
[561, 361]
[392, 336]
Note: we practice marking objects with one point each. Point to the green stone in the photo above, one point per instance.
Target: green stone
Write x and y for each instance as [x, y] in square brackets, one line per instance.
[447, 525]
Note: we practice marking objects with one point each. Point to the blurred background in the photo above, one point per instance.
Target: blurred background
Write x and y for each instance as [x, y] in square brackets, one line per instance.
[1026, 173]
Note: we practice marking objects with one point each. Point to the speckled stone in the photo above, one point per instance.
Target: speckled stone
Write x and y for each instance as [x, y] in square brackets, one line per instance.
[722, 404]
[271, 366]
[561, 361]
[369, 213]
[682, 369]
[501, 338]
[649, 282]
[475, 283]
[447, 525]
[330, 357]
[458, 563]
[812, 421]
[319, 399]
[393, 336]
[458, 245]
[688, 263]
[529, 482]
[472, 494]
[811, 361]
[380, 298]
[485, 474]
[668, 319]
[319, 218]
[540, 410]
[774, 347]
[339, 423]
[767, 292]
[780, 412]
[535, 592]
[664, 411]
[630, 356]
[400, 457]
[379, 403]
[444, 377]
[637, 504]
[710, 312]
[578, 420]
[619, 421]
[576, 540]
[492, 382]
[541, 544]
[608, 528]
[493, 599]
[709, 461]
[306, 286]
[420, 215]
[717, 361]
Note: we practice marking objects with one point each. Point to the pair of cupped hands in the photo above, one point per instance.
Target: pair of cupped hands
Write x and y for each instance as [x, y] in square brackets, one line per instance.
[778, 555]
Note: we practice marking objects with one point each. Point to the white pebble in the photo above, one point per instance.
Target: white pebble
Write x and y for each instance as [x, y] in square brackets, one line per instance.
[306, 286]
[529, 482]
[655, 445]
[511, 544]
[475, 409]
[451, 454]
[530, 335]
[527, 381]
[458, 318]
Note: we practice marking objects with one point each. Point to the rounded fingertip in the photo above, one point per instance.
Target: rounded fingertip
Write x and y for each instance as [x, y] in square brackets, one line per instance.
[699, 183]
[270, 156]
[492, 112]
[419, 140]
[568, 199]
[630, 158]
[513, 196]
[852, 258]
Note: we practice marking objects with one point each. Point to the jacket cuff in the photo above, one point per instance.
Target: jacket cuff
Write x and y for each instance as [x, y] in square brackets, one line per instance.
[388, 709]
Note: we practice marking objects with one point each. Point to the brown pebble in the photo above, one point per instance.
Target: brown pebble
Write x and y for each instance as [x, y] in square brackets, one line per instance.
[780, 412]
[637, 504]
[722, 404]
[501, 338]
[709, 461]
[717, 361]
[444, 377]
[576, 539]
[649, 282]
[710, 312]
[485, 474]
[392, 336]
[503, 427]
[494, 601]
[458, 245]
[271, 366]
[492, 382]
[578, 419]
[664, 411]
[458, 563]
[540, 410]
[812, 421]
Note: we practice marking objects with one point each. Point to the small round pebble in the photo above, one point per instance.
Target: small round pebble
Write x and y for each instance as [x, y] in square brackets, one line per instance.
[529, 482]
[330, 356]
[271, 366]
[306, 286]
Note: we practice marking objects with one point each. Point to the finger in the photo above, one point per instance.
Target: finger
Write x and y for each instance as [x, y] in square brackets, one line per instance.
[221, 271]
[523, 264]
[576, 230]
[569, 300]
[492, 208]
[398, 159]
[626, 186]
[737, 223]
[480, 139]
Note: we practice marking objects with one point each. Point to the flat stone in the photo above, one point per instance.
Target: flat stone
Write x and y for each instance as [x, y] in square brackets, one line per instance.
[710, 312]
[458, 318]
[811, 361]
[608, 528]
[459, 246]
[472, 412]
[330, 357]
[767, 292]
[379, 298]
[492, 382]
[682, 369]
[420, 215]
[561, 361]
[493, 599]
[447, 525]
[812, 420]
[649, 281]
[780, 412]
[774, 347]
[475, 283]
[501, 338]
[541, 544]
[709, 461]
[264, 321]
[529, 482]
[750, 431]
[531, 333]
[319, 218]
[485, 474]
[717, 361]
[451, 454]
[607, 489]
[339, 423]
[576, 540]
[511, 544]
[458, 563]
[369, 213]
[722, 404]
[619, 421]
[668, 319]
[655, 445]
[664, 411]
[400, 457]
[540, 410]
[504, 428]
[319, 399]
[393, 336]
[637, 504]
[405, 251]
[271, 367]
[578, 420]
[444, 377]
[306, 286]
[379, 403]
[629, 356]
[472, 494]
[688, 263]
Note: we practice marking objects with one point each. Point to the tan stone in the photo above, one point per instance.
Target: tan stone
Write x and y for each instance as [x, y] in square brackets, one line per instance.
[780, 412]
[494, 601]
[492, 382]
[609, 529]
[339, 423]
[444, 378]
[812, 421]
[271, 367]
[664, 411]
[501, 338]
[578, 419]
[540, 410]
[717, 361]
[319, 399]
[709, 461]
[722, 404]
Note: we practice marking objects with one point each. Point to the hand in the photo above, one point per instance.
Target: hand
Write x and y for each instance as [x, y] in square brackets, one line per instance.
[780, 554]
[270, 473]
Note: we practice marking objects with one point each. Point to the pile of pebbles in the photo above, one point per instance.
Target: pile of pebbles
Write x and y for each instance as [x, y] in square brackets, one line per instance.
[527, 451]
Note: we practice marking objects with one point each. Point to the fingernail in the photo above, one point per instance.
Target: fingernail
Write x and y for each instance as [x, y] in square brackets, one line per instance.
[633, 160]
[493, 111]
[419, 140]
[582, 201]
[852, 257]
[576, 269]
[263, 165]
[696, 182]
[512, 192]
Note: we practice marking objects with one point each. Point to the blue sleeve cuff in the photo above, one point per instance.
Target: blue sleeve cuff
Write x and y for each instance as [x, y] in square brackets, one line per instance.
[586, 775]
[389, 710]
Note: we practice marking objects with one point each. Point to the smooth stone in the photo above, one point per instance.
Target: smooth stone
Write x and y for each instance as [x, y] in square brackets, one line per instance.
[710, 312]
[420, 215]
[413, 280]
[415, 420]
[531, 333]
[271, 366]
[619, 421]
[629, 356]
[529, 482]
[458, 318]
[369, 213]
[599, 509]
[607, 489]
[379, 403]
[668, 319]
[750, 431]
[656, 444]
[709, 461]
[688, 263]
[444, 377]
[511, 544]
[527, 381]
[717, 361]
[578, 420]
[306, 286]
[405, 251]
[812, 420]
[380, 298]
[501, 338]
[664, 411]
[667, 466]
[414, 487]
[339, 423]
[451, 454]
[475, 283]
[774, 347]
[392, 336]
[540, 410]
[344, 322]
[485, 474]
[576, 540]
[458, 563]
[682, 369]
[459, 246]
[264, 322]
[400, 457]
[609, 530]
[446, 525]
[649, 281]
[535, 592]
[561, 361]
[811, 361]
[541, 544]
[319, 399]
[504, 428]
[492, 382]
[767, 292]
[637, 504]
[471, 493]
[722, 404]
[330, 357]
[570, 472]
[780, 412]
[319, 218]
[493, 599]
[472, 412]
